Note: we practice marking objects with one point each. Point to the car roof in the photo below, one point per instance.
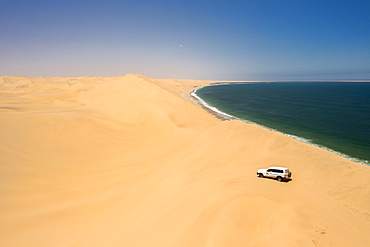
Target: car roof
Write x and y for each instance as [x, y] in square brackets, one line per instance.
[277, 167]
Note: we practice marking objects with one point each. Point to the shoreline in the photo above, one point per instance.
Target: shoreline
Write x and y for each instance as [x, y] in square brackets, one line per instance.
[192, 97]
[224, 116]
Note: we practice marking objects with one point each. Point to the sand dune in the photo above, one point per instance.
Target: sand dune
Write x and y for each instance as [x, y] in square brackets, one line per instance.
[126, 161]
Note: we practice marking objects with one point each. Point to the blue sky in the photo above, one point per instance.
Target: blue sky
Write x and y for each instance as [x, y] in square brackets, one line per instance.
[217, 40]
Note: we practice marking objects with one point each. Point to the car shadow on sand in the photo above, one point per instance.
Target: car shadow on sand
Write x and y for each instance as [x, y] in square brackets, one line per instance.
[282, 181]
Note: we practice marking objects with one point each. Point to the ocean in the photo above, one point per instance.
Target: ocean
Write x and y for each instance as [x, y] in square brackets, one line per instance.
[331, 115]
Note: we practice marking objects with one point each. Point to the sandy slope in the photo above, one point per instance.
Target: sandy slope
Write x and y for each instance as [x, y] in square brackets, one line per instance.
[126, 161]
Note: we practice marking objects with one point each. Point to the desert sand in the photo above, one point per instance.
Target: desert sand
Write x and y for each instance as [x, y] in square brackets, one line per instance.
[127, 161]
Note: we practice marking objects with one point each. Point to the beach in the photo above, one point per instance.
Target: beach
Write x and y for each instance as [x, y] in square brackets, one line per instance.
[133, 161]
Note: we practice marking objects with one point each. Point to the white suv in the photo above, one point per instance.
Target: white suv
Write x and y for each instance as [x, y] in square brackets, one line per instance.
[280, 173]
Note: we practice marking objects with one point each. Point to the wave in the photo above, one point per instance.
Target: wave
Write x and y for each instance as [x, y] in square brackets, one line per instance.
[298, 138]
[211, 108]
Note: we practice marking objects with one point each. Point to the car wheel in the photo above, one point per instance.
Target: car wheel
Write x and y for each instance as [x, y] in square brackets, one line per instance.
[260, 175]
[279, 179]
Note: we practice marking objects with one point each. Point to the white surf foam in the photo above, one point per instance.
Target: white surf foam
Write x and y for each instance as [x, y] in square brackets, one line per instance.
[212, 108]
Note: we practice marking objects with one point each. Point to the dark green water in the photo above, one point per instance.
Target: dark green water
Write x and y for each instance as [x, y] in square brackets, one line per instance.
[333, 115]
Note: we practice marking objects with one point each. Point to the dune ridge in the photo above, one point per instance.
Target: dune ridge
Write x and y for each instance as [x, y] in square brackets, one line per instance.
[127, 161]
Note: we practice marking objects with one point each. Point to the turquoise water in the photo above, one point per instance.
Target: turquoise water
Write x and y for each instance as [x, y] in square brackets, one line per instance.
[332, 115]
